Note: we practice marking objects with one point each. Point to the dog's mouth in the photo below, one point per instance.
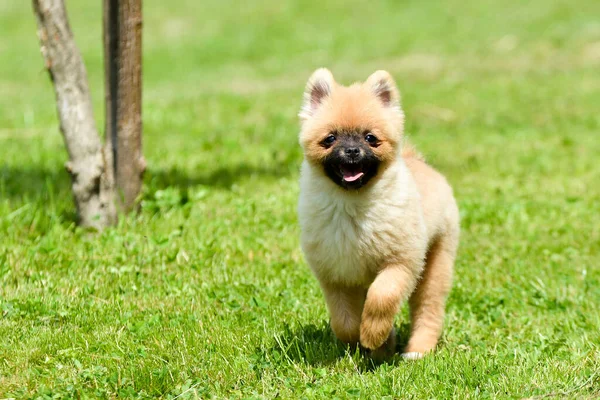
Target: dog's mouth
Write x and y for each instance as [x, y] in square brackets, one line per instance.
[348, 173]
[351, 172]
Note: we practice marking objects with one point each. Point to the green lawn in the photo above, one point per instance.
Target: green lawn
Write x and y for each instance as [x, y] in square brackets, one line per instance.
[206, 293]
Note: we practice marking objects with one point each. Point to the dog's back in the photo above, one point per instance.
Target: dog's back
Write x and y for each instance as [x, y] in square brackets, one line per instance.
[437, 198]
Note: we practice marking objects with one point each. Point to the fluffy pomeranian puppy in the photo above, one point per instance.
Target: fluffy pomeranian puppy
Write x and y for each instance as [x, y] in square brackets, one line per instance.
[379, 225]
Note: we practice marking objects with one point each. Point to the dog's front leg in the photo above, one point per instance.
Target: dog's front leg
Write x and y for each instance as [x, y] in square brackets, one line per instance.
[391, 286]
[345, 306]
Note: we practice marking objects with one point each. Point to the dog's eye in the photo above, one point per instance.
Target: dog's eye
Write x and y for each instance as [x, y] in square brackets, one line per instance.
[370, 138]
[328, 141]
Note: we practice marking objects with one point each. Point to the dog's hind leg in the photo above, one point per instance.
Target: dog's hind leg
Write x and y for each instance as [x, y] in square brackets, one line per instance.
[427, 303]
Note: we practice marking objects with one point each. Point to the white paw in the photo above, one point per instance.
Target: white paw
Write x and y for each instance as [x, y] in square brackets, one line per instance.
[413, 355]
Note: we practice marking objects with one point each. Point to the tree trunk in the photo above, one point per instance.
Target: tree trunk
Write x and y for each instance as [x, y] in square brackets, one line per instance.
[91, 179]
[123, 79]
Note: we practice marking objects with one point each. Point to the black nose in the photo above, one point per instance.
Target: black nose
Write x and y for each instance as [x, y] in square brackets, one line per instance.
[352, 151]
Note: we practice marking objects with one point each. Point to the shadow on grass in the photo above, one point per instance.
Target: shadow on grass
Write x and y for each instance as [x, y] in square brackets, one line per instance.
[223, 177]
[45, 184]
[49, 189]
[316, 345]
[34, 183]
[44, 194]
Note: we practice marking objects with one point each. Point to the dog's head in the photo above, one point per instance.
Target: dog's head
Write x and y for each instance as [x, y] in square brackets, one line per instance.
[351, 133]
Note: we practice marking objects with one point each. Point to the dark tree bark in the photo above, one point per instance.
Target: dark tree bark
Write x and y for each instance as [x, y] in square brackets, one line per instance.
[123, 71]
[90, 174]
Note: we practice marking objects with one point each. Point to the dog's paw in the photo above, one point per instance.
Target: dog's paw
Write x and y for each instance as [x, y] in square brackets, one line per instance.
[374, 332]
[419, 347]
[412, 355]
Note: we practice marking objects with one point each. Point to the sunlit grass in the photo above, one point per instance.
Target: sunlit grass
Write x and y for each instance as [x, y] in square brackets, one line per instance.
[205, 292]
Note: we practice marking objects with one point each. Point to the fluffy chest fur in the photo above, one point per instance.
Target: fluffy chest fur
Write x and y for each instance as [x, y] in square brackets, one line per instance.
[348, 237]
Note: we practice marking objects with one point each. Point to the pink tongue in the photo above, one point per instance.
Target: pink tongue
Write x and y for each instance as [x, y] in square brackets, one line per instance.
[351, 176]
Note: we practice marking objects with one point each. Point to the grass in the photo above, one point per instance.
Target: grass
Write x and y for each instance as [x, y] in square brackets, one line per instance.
[205, 292]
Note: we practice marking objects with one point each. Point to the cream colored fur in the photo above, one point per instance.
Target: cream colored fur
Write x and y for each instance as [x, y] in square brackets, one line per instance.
[376, 247]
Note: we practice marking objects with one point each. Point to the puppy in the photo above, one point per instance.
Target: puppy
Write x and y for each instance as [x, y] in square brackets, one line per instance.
[379, 226]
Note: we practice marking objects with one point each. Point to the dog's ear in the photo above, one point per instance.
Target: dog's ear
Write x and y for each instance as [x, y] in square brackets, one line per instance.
[318, 88]
[383, 86]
